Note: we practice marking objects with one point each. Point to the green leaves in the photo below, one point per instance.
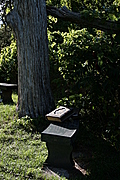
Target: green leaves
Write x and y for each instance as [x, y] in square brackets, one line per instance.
[87, 62]
[8, 63]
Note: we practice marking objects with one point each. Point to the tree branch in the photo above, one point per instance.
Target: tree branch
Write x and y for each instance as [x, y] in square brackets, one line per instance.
[84, 21]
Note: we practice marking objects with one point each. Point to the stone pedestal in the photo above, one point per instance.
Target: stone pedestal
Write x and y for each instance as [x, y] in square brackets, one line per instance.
[6, 94]
[59, 141]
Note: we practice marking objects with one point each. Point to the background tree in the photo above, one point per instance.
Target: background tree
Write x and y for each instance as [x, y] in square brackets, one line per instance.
[86, 60]
[29, 22]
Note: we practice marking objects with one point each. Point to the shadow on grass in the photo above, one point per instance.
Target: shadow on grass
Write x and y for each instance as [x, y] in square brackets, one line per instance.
[96, 158]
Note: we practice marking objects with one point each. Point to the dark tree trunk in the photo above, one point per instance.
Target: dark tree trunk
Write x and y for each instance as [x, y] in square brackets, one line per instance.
[29, 22]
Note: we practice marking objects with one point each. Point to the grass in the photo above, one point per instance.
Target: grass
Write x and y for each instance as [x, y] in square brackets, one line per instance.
[22, 153]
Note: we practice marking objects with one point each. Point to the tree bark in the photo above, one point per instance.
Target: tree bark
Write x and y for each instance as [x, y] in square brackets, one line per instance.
[29, 22]
[84, 21]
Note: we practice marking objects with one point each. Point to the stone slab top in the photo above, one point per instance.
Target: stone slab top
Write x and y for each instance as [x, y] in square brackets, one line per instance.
[7, 85]
[59, 131]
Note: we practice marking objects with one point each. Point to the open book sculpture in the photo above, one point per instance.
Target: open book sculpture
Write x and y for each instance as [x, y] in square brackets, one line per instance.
[60, 114]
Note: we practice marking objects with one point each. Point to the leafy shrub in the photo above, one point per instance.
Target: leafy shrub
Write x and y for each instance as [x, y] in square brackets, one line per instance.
[8, 63]
[88, 62]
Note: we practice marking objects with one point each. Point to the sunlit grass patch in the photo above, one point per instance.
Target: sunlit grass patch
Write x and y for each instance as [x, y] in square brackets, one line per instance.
[22, 153]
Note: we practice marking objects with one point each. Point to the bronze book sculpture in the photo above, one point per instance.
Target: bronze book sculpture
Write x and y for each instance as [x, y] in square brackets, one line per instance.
[60, 114]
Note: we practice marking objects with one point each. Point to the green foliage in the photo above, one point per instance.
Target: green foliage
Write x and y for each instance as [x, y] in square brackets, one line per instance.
[5, 37]
[85, 67]
[8, 63]
[5, 7]
[32, 125]
[87, 64]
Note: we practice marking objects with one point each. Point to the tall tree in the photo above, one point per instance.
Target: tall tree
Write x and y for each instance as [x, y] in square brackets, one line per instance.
[28, 19]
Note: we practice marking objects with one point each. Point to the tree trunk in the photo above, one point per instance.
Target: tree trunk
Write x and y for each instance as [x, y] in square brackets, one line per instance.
[29, 22]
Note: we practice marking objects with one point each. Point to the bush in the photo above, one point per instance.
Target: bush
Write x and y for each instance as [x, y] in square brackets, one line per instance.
[9, 64]
[88, 62]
